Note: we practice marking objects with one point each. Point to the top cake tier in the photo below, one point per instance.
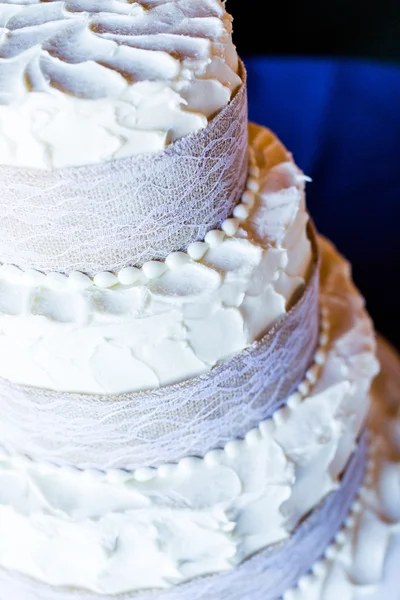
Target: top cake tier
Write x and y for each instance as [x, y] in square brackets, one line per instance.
[123, 130]
[86, 81]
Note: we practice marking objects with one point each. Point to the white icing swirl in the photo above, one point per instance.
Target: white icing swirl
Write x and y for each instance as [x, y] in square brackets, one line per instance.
[83, 82]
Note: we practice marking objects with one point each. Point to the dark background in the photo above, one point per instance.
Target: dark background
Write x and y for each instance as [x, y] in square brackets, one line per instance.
[326, 78]
[362, 28]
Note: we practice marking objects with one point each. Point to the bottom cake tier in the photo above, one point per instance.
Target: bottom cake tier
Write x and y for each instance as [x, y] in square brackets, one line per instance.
[363, 559]
[244, 521]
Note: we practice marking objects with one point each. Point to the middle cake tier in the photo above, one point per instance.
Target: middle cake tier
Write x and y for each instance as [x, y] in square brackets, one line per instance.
[169, 321]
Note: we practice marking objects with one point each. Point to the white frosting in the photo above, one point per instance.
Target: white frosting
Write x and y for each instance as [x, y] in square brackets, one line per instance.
[84, 82]
[154, 528]
[362, 562]
[176, 320]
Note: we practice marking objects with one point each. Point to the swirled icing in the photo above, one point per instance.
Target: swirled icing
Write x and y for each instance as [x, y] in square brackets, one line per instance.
[156, 528]
[168, 328]
[83, 82]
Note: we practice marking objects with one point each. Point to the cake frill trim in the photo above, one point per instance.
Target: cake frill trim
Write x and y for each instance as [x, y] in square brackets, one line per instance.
[150, 270]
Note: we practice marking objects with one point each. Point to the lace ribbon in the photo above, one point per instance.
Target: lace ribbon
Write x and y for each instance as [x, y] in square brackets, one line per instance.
[157, 426]
[127, 211]
[265, 576]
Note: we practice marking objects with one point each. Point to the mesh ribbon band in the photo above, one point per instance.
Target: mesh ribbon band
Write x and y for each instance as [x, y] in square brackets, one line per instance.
[162, 425]
[265, 576]
[127, 211]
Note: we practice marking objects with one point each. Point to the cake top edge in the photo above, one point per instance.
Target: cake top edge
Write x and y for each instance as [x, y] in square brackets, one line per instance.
[84, 81]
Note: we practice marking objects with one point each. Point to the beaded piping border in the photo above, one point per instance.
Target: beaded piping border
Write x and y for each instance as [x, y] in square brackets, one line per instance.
[152, 269]
[232, 448]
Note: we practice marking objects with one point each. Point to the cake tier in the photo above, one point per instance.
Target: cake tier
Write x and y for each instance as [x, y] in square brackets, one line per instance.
[123, 130]
[121, 531]
[171, 320]
[362, 561]
[84, 81]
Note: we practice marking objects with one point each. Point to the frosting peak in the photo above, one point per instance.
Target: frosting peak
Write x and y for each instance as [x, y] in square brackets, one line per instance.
[82, 81]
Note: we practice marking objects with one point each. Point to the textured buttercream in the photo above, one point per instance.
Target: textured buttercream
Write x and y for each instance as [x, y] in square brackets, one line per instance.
[361, 562]
[83, 82]
[156, 528]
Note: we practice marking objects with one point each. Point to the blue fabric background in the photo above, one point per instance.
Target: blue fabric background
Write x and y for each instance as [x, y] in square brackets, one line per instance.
[341, 121]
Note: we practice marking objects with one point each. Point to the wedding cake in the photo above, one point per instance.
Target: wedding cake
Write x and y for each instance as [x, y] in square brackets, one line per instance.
[185, 365]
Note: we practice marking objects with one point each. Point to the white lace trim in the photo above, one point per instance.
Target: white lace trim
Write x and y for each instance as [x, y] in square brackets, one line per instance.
[268, 425]
[152, 269]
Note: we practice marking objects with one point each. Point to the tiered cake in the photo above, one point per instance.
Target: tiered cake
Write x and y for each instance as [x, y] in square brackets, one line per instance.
[184, 365]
